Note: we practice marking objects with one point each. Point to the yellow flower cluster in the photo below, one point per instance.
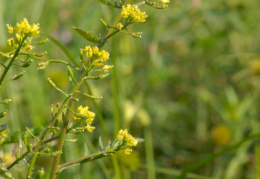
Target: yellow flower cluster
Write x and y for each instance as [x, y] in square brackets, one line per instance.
[134, 13]
[89, 115]
[25, 30]
[96, 56]
[130, 140]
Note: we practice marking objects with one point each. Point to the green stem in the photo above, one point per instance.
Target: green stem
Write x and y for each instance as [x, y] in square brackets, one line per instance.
[65, 124]
[56, 162]
[216, 155]
[11, 62]
[88, 158]
[39, 143]
[149, 152]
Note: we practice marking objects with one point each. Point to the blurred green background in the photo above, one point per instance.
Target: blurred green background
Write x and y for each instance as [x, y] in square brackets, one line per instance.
[189, 86]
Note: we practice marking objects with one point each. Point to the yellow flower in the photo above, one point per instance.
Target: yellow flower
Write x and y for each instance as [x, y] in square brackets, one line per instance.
[28, 47]
[121, 134]
[221, 135]
[3, 133]
[10, 41]
[88, 51]
[104, 55]
[10, 29]
[18, 37]
[25, 28]
[128, 151]
[130, 140]
[119, 26]
[7, 158]
[133, 12]
[90, 116]
[165, 2]
[90, 128]
[34, 30]
[107, 67]
[95, 50]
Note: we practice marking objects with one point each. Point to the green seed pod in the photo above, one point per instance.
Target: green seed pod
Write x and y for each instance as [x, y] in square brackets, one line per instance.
[56, 153]
[16, 77]
[28, 63]
[104, 23]
[41, 42]
[40, 54]
[52, 83]
[3, 113]
[4, 172]
[24, 139]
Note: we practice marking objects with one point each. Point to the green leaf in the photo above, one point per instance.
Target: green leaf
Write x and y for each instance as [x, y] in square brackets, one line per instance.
[3, 127]
[109, 4]
[90, 36]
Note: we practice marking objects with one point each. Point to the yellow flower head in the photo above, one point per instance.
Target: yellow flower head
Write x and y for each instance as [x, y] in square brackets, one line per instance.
[25, 28]
[90, 128]
[95, 50]
[128, 151]
[107, 67]
[10, 29]
[133, 12]
[90, 116]
[104, 55]
[221, 135]
[121, 134]
[119, 26]
[130, 140]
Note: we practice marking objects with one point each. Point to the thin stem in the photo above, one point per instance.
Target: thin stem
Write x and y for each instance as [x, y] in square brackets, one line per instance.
[71, 104]
[11, 62]
[89, 158]
[65, 124]
[39, 143]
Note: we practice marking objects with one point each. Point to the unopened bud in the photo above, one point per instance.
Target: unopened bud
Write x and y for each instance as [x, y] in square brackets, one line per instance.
[40, 173]
[6, 101]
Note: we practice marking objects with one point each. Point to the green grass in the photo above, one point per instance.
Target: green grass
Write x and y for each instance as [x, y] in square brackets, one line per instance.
[190, 72]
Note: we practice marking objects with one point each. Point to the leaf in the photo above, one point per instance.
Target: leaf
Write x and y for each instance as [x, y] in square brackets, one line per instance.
[101, 147]
[108, 3]
[90, 36]
[3, 127]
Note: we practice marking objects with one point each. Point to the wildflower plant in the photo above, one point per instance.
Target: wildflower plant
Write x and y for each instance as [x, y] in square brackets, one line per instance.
[76, 119]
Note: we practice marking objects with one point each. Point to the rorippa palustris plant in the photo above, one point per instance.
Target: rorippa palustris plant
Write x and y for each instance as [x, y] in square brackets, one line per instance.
[76, 118]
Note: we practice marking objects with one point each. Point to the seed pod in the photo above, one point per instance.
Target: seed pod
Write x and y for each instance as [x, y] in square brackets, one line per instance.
[28, 63]
[3, 113]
